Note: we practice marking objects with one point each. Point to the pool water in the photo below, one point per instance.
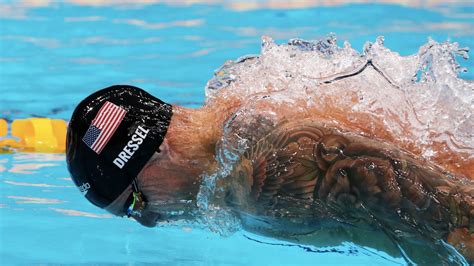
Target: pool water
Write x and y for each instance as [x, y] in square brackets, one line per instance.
[53, 54]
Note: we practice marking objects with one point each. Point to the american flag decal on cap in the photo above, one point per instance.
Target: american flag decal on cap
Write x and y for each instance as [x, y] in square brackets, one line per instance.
[103, 126]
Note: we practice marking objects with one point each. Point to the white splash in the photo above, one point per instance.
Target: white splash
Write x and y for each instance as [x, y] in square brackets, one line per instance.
[421, 92]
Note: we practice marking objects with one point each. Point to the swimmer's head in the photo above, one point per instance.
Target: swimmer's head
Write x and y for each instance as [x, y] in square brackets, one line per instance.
[111, 136]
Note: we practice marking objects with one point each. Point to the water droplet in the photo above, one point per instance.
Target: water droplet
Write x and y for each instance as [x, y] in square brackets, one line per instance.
[371, 166]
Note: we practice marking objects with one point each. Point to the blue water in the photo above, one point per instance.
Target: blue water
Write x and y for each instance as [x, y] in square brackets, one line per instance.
[53, 55]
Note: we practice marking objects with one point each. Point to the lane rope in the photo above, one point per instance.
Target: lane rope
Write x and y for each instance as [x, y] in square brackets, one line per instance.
[43, 135]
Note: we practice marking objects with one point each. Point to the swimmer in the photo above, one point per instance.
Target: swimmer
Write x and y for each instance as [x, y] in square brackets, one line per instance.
[134, 155]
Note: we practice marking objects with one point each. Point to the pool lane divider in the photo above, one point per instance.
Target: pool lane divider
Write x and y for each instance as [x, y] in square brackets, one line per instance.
[43, 135]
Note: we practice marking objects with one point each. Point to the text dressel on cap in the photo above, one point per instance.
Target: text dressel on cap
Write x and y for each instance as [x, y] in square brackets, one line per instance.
[131, 147]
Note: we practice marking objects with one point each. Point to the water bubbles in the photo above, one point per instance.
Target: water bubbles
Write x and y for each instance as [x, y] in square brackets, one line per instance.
[371, 166]
[347, 45]
[302, 44]
[428, 153]
[327, 46]
[367, 47]
[380, 40]
[267, 44]
[421, 89]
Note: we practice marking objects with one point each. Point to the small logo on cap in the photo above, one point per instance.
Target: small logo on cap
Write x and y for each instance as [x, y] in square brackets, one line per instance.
[84, 188]
[103, 126]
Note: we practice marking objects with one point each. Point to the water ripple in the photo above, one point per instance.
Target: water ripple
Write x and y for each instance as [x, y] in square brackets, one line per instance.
[161, 25]
[25, 184]
[70, 212]
[27, 168]
[83, 19]
[31, 200]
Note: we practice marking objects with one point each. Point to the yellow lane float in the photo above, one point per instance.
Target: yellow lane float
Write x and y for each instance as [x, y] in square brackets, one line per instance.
[33, 135]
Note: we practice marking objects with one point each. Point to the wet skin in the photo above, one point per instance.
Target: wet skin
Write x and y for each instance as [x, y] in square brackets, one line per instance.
[356, 179]
[341, 168]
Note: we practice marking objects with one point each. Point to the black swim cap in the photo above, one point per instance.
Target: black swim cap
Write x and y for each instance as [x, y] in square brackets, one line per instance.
[111, 136]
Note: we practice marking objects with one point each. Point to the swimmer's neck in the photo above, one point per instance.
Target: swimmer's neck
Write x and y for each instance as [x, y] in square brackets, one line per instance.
[186, 153]
[193, 134]
[188, 134]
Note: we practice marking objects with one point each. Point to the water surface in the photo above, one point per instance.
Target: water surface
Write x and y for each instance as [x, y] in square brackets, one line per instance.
[54, 54]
